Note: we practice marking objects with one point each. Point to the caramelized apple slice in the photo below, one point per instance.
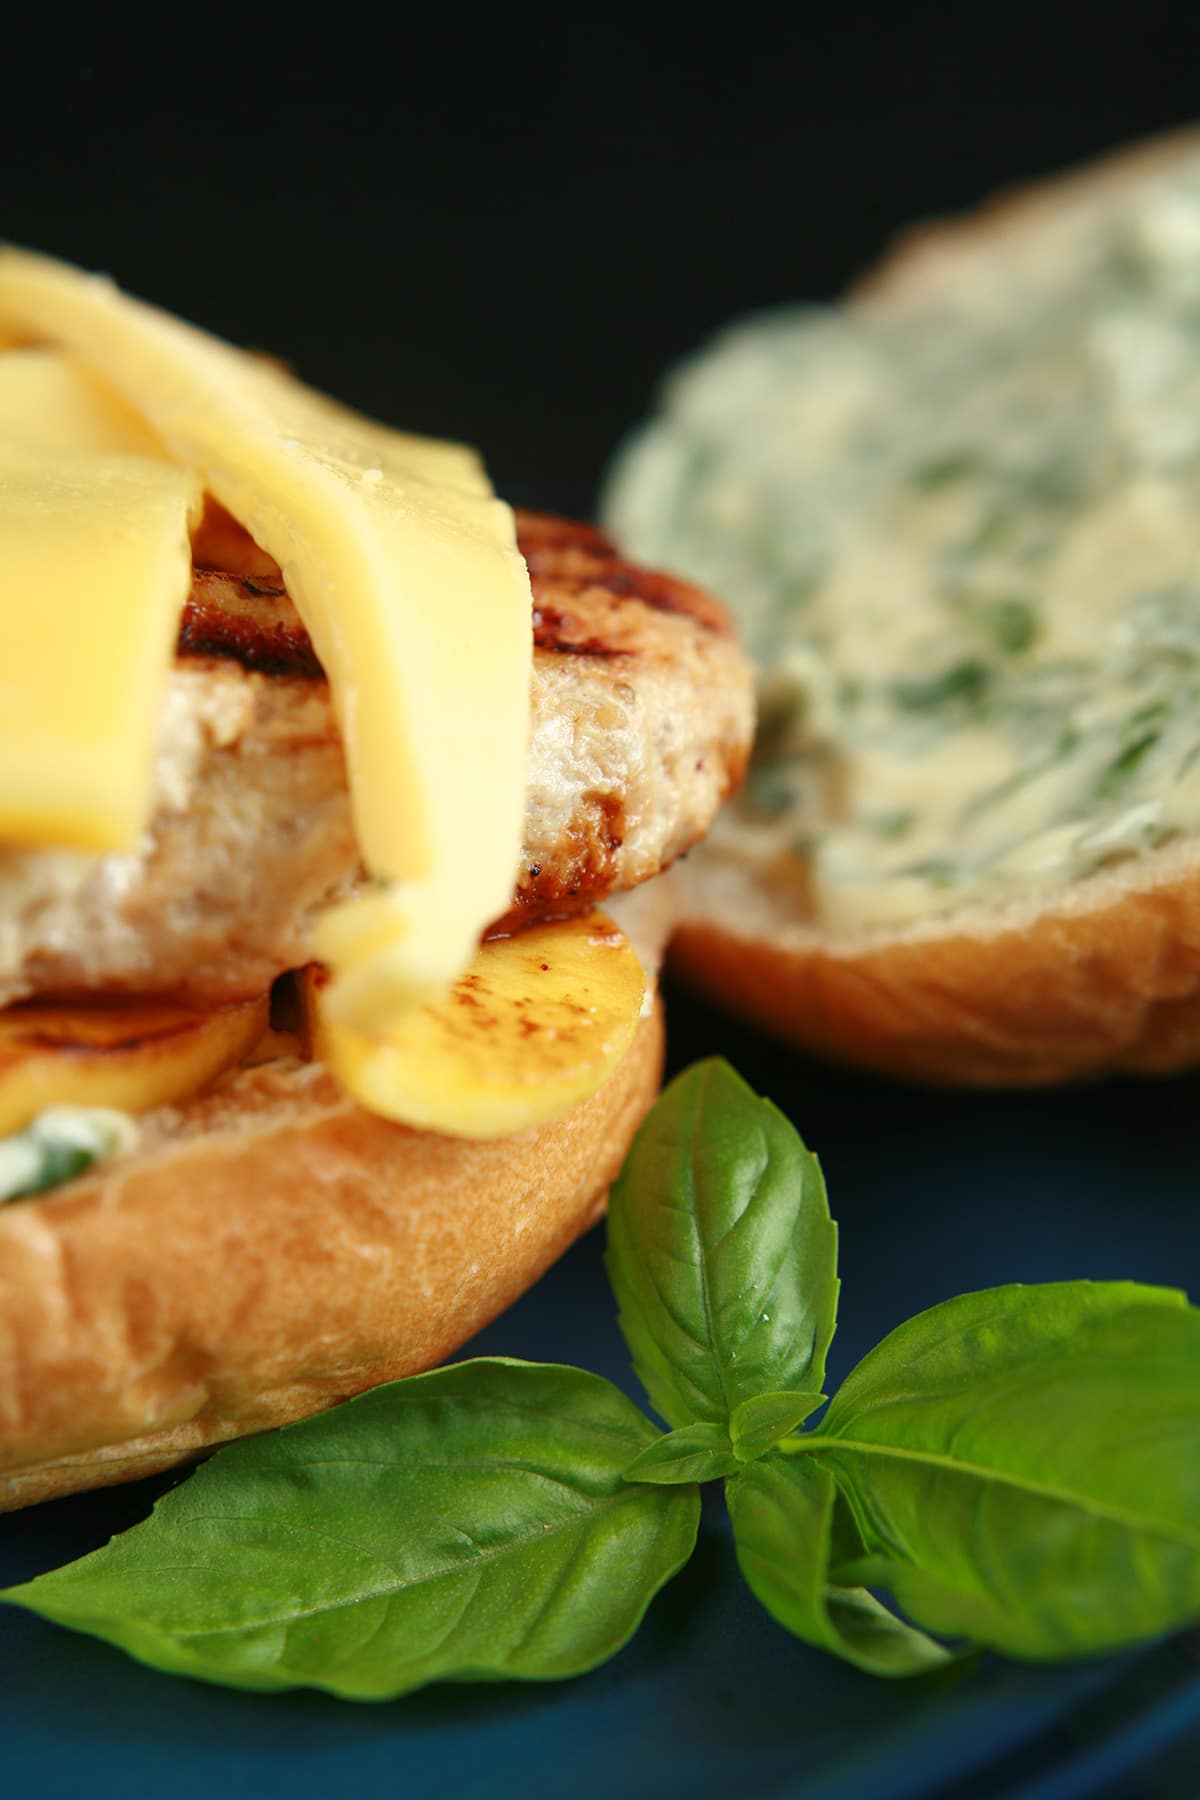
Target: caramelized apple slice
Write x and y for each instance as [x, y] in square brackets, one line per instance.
[131, 1055]
[534, 1026]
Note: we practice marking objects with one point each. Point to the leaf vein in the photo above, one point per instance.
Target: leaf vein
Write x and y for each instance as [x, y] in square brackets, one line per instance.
[819, 1441]
[543, 1534]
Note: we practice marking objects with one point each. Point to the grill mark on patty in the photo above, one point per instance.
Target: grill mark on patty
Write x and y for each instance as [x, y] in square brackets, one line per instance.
[555, 630]
[577, 558]
[250, 621]
[244, 613]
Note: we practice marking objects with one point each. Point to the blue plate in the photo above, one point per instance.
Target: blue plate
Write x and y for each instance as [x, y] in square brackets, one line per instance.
[935, 1193]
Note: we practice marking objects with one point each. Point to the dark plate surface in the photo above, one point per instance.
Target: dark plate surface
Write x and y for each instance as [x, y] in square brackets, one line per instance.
[935, 1193]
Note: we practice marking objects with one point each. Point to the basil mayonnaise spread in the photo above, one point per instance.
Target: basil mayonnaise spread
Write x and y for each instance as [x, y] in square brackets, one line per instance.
[60, 1143]
[962, 533]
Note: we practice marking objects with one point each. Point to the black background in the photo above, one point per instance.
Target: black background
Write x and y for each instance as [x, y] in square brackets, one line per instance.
[501, 223]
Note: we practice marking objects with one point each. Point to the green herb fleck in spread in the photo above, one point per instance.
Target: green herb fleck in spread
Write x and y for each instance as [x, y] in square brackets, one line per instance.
[59, 1144]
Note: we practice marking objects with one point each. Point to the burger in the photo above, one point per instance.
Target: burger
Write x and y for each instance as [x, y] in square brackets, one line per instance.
[316, 767]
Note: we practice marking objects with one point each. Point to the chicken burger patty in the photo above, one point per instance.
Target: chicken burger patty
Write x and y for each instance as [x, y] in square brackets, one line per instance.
[641, 719]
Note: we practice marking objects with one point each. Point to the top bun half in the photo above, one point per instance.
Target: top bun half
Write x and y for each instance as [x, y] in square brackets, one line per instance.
[956, 518]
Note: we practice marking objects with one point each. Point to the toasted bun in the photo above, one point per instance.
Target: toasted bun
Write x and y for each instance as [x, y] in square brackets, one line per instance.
[1108, 978]
[923, 255]
[269, 1250]
[1101, 976]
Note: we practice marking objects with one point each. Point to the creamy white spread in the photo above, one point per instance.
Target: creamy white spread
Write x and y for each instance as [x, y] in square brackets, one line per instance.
[963, 538]
[59, 1144]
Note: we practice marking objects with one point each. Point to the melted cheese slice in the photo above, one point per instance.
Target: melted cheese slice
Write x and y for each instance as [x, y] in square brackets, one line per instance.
[405, 570]
[96, 567]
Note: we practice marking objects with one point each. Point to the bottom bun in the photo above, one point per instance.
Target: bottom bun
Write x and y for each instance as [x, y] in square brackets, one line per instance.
[269, 1250]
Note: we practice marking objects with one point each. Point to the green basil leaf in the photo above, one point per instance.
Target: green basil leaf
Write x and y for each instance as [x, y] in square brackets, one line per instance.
[721, 1251]
[693, 1453]
[468, 1524]
[758, 1424]
[782, 1508]
[1023, 1466]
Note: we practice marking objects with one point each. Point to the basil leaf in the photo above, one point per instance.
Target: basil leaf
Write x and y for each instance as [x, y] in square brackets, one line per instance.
[693, 1453]
[721, 1250]
[472, 1523]
[1023, 1466]
[759, 1424]
[782, 1508]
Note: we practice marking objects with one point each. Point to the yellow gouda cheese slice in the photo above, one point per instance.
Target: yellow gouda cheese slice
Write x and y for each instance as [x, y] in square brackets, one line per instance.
[405, 570]
[50, 402]
[95, 565]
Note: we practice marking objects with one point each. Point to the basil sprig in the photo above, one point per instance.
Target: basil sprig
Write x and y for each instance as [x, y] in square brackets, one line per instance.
[1019, 1468]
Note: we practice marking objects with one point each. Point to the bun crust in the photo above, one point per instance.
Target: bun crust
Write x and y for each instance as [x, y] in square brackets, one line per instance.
[268, 1250]
[922, 255]
[1101, 977]
[1107, 980]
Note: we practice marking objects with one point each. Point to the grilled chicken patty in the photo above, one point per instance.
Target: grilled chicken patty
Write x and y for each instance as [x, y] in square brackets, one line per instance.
[641, 724]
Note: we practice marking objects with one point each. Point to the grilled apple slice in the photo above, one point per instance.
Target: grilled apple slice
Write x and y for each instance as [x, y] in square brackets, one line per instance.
[535, 1025]
[130, 1055]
